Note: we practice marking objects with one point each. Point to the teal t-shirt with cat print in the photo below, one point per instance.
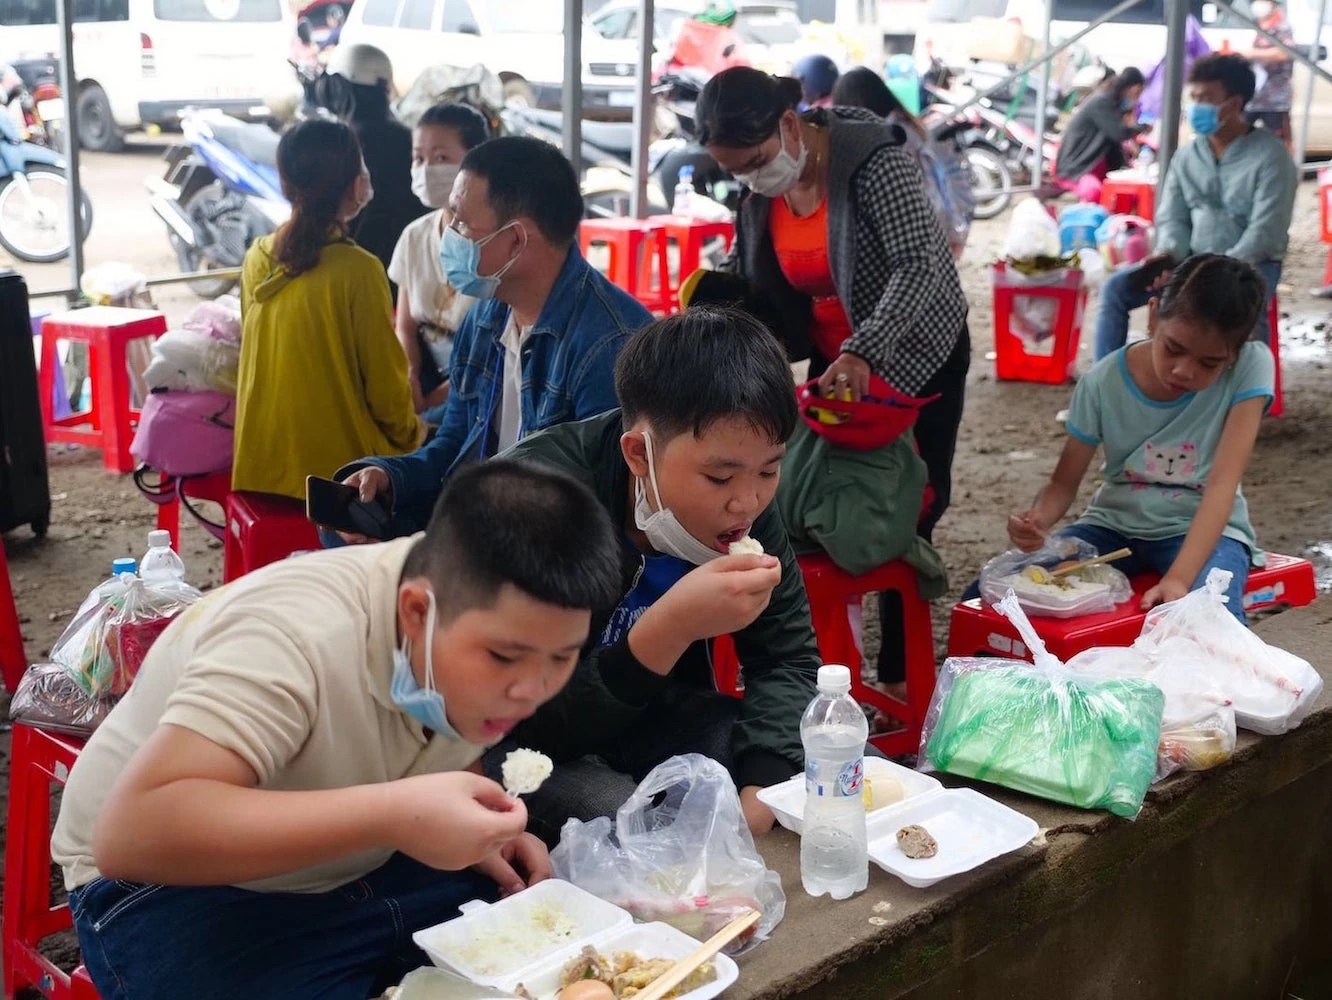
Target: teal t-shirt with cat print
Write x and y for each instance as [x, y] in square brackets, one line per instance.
[1158, 455]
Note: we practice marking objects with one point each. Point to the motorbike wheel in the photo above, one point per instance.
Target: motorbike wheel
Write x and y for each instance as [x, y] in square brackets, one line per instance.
[190, 259]
[991, 182]
[36, 230]
[97, 129]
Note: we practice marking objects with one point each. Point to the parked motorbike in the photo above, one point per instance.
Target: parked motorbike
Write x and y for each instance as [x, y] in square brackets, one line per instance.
[34, 89]
[219, 194]
[34, 198]
[987, 168]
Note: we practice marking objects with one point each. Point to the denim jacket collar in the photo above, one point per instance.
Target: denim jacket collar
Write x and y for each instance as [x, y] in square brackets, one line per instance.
[558, 308]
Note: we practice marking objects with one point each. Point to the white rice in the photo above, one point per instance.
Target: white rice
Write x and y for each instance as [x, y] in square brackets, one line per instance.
[745, 547]
[524, 770]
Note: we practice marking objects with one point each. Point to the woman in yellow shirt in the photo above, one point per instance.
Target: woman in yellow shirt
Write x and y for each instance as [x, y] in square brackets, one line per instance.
[323, 379]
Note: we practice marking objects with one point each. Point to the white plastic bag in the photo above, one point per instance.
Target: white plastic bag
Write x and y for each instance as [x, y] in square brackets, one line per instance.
[679, 852]
[1087, 592]
[1271, 690]
[1031, 232]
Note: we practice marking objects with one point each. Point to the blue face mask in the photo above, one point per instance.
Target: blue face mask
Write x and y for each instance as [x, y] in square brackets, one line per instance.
[460, 257]
[425, 705]
[1204, 119]
[1127, 105]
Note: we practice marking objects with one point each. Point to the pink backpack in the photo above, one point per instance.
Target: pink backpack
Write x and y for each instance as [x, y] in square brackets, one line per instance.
[186, 433]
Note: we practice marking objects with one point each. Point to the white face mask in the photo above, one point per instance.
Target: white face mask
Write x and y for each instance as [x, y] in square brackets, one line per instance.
[664, 532]
[780, 174]
[433, 183]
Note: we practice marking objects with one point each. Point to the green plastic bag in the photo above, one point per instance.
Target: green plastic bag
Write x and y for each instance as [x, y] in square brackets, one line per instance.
[1039, 728]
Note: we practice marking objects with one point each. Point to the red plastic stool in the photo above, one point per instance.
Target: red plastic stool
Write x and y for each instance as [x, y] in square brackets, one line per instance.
[214, 488]
[637, 248]
[37, 759]
[831, 592]
[1325, 218]
[13, 661]
[690, 235]
[1278, 408]
[977, 630]
[1129, 197]
[261, 529]
[108, 332]
[1013, 361]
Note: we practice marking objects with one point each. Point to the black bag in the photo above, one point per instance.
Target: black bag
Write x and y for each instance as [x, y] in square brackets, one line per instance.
[25, 494]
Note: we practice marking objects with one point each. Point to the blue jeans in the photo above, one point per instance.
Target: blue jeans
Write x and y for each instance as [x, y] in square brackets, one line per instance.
[1120, 296]
[204, 942]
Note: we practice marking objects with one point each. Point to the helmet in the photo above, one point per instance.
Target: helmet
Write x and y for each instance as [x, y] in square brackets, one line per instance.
[816, 74]
[718, 12]
[361, 64]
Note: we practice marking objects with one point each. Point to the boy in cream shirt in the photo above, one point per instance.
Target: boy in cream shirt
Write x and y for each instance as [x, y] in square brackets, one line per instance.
[288, 791]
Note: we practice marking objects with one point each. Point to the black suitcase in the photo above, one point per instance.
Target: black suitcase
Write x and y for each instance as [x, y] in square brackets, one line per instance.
[25, 493]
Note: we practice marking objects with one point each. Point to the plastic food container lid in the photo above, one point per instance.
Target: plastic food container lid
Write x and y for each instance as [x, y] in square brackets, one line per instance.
[787, 800]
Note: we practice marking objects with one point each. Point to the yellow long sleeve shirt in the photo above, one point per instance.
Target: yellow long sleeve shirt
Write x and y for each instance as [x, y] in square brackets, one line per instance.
[323, 379]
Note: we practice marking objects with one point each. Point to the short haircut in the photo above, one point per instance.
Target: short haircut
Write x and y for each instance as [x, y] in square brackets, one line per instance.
[741, 106]
[529, 178]
[1232, 71]
[1222, 293]
[686, 372]
[470, 124]
[505, 521]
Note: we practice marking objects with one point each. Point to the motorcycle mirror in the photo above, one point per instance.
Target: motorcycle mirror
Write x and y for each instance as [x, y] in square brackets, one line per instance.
[304, 31]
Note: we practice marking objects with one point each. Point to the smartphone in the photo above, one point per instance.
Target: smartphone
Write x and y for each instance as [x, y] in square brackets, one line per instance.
[340, 507]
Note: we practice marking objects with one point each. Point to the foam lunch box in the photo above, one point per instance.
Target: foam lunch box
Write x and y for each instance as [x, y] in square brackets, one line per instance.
[527, 939]
[787, 800]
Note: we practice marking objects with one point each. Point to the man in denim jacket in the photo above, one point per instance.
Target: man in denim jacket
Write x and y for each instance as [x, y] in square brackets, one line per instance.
[539, 346]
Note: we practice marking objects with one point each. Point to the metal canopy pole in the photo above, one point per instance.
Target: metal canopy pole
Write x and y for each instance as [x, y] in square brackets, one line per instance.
[571, 94]
[69, 89]
[1309, 93]
[1177, 26]
[1038, 168]
[1067, 43]
[638, 196]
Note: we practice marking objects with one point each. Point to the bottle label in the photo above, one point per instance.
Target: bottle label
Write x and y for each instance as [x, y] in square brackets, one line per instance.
[843, 785]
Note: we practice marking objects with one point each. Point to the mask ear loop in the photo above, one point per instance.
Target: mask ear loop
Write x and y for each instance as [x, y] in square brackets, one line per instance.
[429, 644]
[652, 471]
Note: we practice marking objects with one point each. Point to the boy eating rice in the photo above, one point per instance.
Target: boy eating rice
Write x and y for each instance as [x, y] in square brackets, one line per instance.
[284, 795]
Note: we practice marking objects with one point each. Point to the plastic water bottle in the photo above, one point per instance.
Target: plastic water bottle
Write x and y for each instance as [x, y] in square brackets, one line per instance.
[683, 203]
[161, 564]
[123, 565]
[834, 857]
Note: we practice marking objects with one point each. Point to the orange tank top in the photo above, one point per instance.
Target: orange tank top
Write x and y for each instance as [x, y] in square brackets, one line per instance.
[801, 243]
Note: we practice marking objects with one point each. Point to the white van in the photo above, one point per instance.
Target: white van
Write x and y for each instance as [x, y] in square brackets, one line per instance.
[142, 62]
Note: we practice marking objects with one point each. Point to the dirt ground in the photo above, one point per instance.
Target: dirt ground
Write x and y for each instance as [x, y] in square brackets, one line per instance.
[1008, 444]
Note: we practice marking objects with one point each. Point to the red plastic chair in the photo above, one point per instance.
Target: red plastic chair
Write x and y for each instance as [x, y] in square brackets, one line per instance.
[977, 630]
[13, 660]
[109, 423]
[262, 529]
[637, 250]
[1129, 198]
[690, 235]
[37, 759]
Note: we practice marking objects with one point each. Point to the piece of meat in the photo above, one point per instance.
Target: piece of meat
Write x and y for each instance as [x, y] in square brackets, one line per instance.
[916, 842]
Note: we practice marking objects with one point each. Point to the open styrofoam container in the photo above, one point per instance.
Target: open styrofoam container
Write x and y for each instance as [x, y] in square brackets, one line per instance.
[969, 828]
[787, 800]
[529, 937]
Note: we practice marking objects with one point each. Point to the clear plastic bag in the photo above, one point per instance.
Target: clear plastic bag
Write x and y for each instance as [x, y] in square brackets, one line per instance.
[1270, 689]
[1087, 592]
[1040, 728]
[1031, 232]
[104, 646]
[679, 851]
[49, 697]
[1198, 721]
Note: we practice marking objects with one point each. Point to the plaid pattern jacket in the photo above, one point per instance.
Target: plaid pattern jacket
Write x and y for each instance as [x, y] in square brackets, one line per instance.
[889, 256]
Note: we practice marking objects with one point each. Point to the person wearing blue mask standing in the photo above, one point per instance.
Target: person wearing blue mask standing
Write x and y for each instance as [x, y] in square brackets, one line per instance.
[1230, 191]
[289, 791]
[537, 349]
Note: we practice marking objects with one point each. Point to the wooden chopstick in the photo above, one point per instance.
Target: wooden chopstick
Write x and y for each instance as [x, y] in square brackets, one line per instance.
[680, 971]
[1088, 563]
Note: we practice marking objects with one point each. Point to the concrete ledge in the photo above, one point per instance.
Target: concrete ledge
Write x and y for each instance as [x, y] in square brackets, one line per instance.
[1222, 887]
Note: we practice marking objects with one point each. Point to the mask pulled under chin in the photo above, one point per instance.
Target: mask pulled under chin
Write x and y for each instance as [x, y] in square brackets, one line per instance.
[425, 705]
[664, 531]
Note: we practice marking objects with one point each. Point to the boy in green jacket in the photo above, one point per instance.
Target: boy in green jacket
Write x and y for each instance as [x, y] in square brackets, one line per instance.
[687, 467]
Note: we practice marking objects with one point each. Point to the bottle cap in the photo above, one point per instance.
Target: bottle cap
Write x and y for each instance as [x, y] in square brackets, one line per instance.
[686, 172]
[124, 565]
[835, 678]
[159, 539]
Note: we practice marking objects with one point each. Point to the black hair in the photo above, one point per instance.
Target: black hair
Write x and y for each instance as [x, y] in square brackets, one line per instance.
[1222, 293]
[1129, 77]
[708, 363]
[741, 107]
[530, 178]
[505, 521]
[861, 87]
[470, 124]
[317, 161]
[1232, 71]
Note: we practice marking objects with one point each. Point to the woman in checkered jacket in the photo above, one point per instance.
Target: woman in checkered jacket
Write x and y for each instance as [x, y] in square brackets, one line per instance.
[838, 238]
